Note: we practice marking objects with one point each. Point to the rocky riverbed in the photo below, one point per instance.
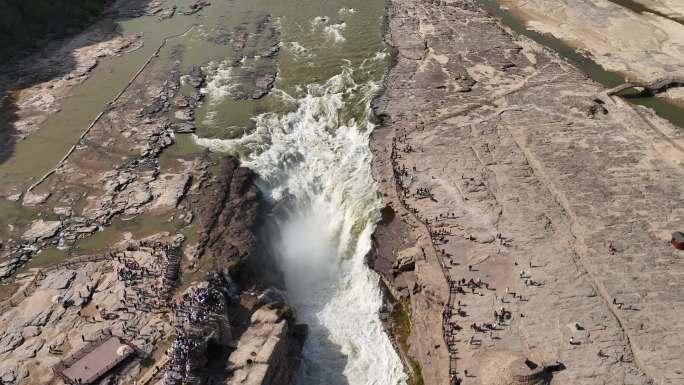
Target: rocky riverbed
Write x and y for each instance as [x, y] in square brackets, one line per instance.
[177, 284]
[525, 218]
[524, 236]
[639, 39]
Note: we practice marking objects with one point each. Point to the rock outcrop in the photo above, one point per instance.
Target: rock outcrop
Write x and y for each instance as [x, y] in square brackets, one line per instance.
[114, 173]
[41, 229]
[635, 42]
[547, 228]
[268, 351]
[253, 59]
[227, 215]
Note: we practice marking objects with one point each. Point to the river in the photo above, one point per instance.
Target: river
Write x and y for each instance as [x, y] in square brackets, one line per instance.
[663, 107]
[308, 141]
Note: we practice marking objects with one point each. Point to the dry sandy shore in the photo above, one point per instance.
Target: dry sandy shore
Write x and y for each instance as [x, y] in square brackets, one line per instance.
[642, 45]
[498, 165]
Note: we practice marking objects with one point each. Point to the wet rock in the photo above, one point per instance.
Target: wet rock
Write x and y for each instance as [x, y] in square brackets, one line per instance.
[182, 102]
[41, 229]
[254, 83]
[184, 115]
[264, 84]
[240, 38]
[196, 77]
[256, 67]
[228, 213]
[86, 229]
[195, 7]
[156, 106]
[166, 13]
[222, 37]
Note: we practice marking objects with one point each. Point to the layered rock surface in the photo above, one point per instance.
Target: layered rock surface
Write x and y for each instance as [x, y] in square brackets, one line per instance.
[266, 351]
[499, 166]
[202, 210]
[641, 40]
[55, 312]
[228, 215]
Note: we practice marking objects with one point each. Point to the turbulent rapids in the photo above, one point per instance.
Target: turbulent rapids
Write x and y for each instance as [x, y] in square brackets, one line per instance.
[210, 185]
[308, 141]
[320, 164]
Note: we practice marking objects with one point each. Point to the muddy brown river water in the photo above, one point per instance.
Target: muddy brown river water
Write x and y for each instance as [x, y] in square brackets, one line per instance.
[307, 139]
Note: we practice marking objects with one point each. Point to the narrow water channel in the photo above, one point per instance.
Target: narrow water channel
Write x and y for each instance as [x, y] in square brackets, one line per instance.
[308, 141]
[85, 102]
[662, 107]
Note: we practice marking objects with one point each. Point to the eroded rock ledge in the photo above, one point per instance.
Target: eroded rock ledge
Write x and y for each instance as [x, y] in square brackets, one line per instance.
[223, 324]
[268, 351]
[261, 340]
[509, 189]
[181, 298]
[228, 214]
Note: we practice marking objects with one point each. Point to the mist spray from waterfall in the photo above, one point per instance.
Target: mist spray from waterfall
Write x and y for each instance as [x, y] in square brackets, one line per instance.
[317, 159]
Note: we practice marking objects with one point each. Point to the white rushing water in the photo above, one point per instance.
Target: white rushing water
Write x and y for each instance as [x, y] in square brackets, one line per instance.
[321, 166]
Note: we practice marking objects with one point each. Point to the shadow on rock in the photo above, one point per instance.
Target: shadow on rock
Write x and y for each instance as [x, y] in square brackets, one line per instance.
[8, 115]
[323, 360]
[38, 59]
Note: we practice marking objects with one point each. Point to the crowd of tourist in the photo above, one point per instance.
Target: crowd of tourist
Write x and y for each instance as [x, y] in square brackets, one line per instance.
[195, 310]
[453, 332]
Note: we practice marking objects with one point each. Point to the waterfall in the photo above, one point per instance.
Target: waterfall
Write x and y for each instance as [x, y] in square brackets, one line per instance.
[316, 157]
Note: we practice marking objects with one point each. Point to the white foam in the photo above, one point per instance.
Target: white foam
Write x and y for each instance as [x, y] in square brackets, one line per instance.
[319, 21]
[335, 32]
[210, 118]
[346, 11]
[220, 81]
[183, 80]
[379, 56]
[323, 164]
[298, 50]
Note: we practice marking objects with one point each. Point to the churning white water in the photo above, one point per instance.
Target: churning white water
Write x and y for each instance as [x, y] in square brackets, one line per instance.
[321, 166]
